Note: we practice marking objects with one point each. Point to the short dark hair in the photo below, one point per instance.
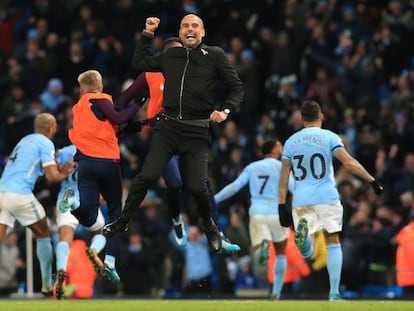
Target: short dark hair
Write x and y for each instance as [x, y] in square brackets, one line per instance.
[268, 145]
[166, 44]
[310, 111]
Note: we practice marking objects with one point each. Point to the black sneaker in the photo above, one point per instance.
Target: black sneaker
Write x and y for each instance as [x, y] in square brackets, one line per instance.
[214, 238]
[95, 260]
[47, 292]
[60, 284]
[118, 226]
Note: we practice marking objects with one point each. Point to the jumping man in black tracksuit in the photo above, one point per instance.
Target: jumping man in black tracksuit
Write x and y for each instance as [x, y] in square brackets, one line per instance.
[191, 74]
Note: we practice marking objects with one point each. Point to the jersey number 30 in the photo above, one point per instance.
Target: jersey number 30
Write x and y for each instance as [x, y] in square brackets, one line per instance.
[312, 161]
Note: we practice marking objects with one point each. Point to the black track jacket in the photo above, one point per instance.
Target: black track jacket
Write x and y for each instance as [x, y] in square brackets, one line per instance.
[190, 78]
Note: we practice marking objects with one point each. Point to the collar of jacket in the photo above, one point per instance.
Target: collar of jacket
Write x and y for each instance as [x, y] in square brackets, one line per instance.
[201, 50]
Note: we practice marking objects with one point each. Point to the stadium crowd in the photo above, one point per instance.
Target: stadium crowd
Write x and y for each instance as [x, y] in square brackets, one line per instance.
[354, 57]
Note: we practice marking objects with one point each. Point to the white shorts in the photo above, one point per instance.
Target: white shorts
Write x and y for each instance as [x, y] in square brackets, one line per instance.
[66, 219]
[321, 216]
[24, 208]
[266, 227]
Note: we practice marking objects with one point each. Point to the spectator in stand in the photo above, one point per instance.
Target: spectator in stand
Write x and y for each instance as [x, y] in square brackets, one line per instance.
[199, 268]
[14, 109]
[246, 279]
[76, 63]
[407, 173]
[249, 74]
[136, 263]
[405, 257]
[323, 89]
[10, 263]
[53, 98]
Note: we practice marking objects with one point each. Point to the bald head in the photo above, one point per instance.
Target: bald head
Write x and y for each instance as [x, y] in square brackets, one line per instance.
[45, 123]
[191, 31]
[193, 17]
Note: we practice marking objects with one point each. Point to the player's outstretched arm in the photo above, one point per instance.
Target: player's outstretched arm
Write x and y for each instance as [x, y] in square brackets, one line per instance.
[352, 165]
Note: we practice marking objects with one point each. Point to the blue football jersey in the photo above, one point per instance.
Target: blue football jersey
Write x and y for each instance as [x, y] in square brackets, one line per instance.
[27, 160]
[263, 179]
[65, 154]
[310, 152]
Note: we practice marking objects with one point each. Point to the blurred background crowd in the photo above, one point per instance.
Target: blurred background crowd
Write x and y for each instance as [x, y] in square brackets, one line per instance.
[355, 57]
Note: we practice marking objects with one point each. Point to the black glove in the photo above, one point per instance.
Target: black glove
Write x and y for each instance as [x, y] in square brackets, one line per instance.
[133, 126]
[153, 120]
[285, 215]
[378, 188]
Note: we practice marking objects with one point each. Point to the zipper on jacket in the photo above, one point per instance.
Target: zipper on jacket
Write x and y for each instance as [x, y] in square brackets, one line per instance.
[180, 116]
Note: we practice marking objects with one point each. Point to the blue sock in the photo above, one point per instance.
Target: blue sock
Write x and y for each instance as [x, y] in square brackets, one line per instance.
[279, 276]
[306, 249]
[98, 243]
[62, 254]
[334, 266]
[110, 261]
[44, 253]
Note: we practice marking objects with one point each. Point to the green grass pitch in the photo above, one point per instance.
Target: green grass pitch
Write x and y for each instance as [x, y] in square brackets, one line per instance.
[201, 305]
